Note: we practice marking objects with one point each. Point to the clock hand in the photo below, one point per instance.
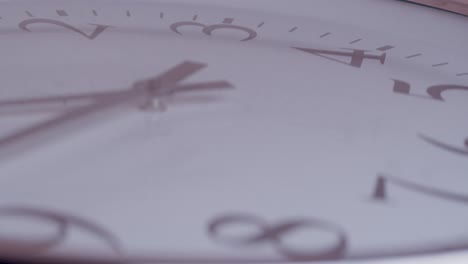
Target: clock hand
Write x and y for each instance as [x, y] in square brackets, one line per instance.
[215, 85]
[106, 94]
[70, 120]
[162, 93]
[58, 98]
[52, 103]
[73, 98]
[158, 86]
[141, 93]
[163, 85]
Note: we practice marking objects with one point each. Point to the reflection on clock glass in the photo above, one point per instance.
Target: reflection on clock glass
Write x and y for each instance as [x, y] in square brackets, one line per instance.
[146, 132]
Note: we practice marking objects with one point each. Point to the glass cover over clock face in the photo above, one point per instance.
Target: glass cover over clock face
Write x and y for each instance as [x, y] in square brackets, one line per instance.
[137, 130]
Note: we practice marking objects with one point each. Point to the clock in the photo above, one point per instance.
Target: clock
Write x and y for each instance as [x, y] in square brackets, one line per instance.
[234, 132]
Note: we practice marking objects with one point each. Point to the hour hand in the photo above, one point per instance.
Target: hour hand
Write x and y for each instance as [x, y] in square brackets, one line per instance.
[167, 84]
[52, 103]
[157, 88]
[141, 93]
[55, 99]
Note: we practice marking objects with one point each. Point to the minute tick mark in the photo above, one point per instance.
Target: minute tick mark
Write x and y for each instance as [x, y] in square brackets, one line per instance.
[414, 55]
[95, 13]
[261, 24]
[324, 35]
[228, 20]
[462, 74]
[385, 48]
[161, 15]
[195, 17]
[355, 41]
[439, 64]
[29, 14]
[293, 29]
[128, 13]
[61, 13]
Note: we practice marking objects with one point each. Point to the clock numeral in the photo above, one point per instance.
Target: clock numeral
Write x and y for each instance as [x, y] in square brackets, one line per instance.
[433, 92]
[456, 150]
[96, 32]
[62, 223]
[357, 56]
[381, 190]
[209, 29]
[275, 234]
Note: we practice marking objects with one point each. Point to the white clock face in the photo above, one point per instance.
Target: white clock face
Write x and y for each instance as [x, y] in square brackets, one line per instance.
[138, 130]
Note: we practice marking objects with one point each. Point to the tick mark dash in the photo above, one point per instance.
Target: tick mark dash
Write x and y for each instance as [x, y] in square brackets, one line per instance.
[324, 35]
[261, 24]
[385, 48]
[293, 29]
[29, 14]
[355, 41]
[61, 13]
[128, 13]
[462, 74]
[195, 17]
[228, 20]
[161, 15]
[439, 64]
[95, 13]
[414, 55]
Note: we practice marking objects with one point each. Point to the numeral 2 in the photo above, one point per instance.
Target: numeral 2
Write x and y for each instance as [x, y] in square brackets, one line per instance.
[96, 32]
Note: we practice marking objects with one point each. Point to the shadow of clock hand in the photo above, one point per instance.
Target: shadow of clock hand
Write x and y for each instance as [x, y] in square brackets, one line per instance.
[53, 103]
[141, 94]
[63, 99]
[70, 120]
[155, 84]
[61, 102]
[57, 99]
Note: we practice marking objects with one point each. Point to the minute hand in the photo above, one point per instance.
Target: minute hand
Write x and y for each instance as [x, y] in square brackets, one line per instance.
[140, 93]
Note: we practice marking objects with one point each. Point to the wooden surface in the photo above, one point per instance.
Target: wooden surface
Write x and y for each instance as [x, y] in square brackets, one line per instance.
[457, 6]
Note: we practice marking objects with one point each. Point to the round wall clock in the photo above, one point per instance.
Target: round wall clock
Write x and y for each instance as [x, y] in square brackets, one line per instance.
[232, 132]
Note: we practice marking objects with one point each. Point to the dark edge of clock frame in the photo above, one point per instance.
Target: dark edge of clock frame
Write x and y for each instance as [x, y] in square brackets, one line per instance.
[55, 261]
[434, 7]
